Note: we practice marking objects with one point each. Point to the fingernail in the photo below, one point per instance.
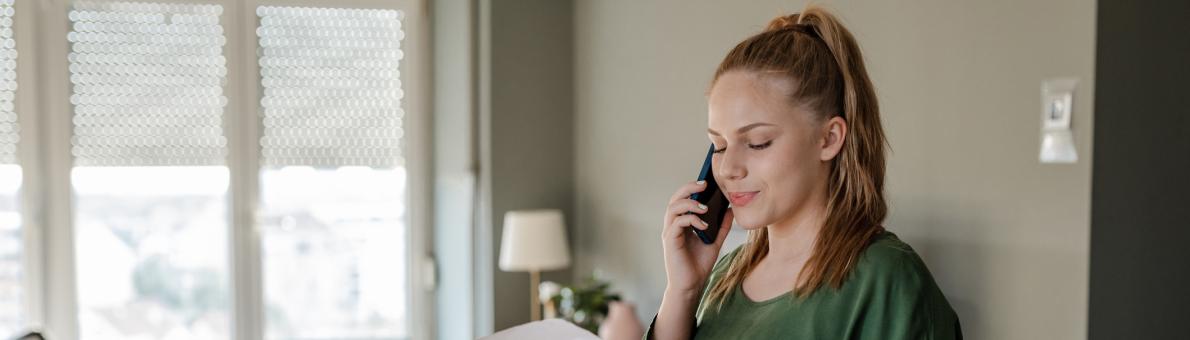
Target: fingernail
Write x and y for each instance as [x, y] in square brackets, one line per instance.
[702, 206]
[701, 182]
[704, 223]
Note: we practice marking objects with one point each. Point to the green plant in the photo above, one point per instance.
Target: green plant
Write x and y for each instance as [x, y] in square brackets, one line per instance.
[584, 304]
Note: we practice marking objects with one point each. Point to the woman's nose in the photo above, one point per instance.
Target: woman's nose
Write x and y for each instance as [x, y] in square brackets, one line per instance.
[731, 167]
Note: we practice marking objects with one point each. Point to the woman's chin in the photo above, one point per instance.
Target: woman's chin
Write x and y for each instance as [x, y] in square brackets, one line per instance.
[743, 222]
[749, 227]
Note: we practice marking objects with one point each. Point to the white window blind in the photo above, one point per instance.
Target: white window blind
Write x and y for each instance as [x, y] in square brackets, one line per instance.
[332, 90]
[147, 84]
[9, 130]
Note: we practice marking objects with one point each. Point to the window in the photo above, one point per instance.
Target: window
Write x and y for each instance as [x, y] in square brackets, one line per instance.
[333, 182]
[149, 181]
[334, 253]
[238, 169]
[151, 249]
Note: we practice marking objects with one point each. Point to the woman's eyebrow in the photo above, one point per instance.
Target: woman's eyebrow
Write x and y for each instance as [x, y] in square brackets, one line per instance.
[743, 129]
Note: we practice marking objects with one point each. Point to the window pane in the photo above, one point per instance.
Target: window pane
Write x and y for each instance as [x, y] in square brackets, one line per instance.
[150, 182]
[332, 188]
[152, 252]
[334, 252]
[11, 251]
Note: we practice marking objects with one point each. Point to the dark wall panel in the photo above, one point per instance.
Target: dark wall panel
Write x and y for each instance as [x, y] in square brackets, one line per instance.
[1140, 234]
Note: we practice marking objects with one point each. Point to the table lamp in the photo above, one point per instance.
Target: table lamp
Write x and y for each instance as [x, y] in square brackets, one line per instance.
[533, 241]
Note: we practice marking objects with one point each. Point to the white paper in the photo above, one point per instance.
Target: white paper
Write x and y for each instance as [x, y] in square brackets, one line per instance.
[552, 329]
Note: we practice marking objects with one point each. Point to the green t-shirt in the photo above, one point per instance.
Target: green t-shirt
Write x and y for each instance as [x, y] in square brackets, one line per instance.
[890, 295]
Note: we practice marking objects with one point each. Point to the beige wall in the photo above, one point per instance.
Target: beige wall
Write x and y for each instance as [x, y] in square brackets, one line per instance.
[525, 133]
[1005, 236]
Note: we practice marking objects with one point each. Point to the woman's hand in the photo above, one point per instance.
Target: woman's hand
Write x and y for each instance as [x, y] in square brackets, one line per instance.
[688, 261]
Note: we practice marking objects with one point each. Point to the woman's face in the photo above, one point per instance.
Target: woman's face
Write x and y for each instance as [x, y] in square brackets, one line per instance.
[771, 157]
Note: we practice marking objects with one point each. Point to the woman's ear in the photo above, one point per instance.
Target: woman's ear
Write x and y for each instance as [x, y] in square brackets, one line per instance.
[834, 134]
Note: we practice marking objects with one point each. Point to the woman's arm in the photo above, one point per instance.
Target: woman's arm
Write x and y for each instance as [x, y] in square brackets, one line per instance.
[688, 262]
[675, 319]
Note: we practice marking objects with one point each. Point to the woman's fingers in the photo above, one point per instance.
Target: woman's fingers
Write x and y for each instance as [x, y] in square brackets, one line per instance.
[676, 228]
[692, 221]
[684, 206]
[688, 189]
[676, 217]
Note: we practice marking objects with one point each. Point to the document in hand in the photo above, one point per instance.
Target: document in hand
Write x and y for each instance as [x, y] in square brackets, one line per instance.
[551, 329]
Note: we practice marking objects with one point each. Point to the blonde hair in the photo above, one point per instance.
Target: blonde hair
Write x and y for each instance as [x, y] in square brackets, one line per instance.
[813, 49]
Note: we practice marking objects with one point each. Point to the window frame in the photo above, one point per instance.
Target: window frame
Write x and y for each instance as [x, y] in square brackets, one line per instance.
[44, 113]
[33, 272]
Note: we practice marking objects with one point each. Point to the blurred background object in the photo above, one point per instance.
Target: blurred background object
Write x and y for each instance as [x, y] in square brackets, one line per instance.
[585, 304]
[30, 336]
[534, 241]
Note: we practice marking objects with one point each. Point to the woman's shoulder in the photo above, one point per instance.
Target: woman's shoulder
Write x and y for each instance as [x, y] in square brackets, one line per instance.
[888, 258]
[890, 267]
[888, 247]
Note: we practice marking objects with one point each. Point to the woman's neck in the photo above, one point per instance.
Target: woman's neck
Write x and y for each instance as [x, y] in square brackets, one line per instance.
[793, 239]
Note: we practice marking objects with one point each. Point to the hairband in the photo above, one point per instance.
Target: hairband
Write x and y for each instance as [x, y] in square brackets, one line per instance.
[804, 29]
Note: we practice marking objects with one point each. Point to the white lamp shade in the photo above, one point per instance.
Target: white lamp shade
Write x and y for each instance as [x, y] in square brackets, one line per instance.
[534, 240]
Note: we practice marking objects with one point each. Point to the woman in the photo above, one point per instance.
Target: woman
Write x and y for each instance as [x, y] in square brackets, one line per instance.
[799, 150]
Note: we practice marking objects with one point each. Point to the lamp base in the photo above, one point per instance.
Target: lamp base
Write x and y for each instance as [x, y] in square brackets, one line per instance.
[534, 300]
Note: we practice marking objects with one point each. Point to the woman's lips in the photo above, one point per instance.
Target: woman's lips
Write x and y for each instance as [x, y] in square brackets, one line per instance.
[739, 199]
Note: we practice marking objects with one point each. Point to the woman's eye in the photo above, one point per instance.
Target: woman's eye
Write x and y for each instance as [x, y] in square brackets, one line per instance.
[750, 146]
[760, 146]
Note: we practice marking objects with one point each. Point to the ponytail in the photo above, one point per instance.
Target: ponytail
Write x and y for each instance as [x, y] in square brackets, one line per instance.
[813, 49]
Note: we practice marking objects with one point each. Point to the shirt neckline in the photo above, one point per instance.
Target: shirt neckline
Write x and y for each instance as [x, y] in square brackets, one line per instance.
[739, 290]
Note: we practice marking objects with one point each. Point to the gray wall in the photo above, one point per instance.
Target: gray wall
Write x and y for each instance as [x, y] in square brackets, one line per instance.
[1139, 270]
[526, 129]
[959, 83]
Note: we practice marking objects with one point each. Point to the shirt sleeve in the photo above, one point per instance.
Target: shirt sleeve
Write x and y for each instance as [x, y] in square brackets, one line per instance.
[907, 304]
[649, 331]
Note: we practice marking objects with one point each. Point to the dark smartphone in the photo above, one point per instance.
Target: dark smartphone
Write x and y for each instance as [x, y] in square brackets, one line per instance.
[713, 198]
